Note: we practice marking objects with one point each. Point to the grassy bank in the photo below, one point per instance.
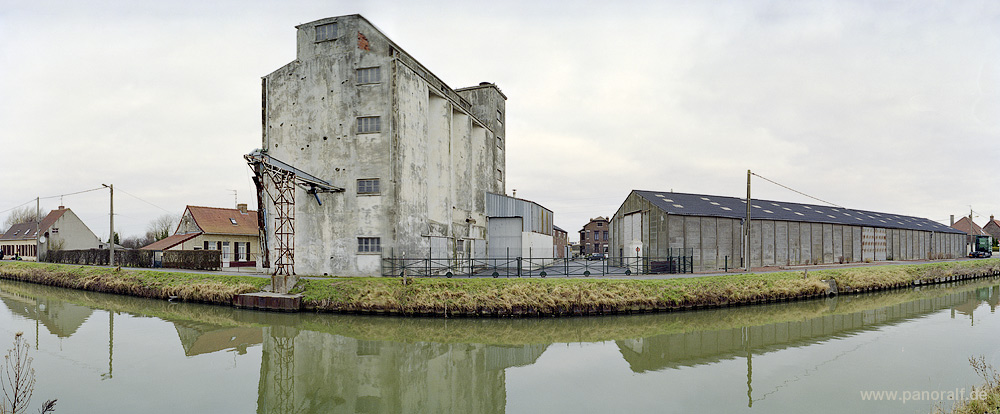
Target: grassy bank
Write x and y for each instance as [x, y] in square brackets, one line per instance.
[192, 287]
[502, 297]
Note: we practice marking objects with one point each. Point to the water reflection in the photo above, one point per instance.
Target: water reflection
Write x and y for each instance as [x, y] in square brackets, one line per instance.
[335, 363]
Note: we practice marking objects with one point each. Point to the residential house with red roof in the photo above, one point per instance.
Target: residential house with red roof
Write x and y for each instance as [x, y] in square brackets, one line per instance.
[972, 229]
[61, 229]
[993, 228]
[234, 231]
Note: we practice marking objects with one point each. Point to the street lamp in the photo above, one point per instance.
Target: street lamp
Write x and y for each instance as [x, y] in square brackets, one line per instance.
[111, 237]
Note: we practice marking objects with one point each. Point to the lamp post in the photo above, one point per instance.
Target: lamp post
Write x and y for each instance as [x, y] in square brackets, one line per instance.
[111, 237]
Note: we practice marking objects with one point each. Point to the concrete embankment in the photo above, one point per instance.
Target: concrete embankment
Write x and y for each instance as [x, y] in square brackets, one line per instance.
[509, 297]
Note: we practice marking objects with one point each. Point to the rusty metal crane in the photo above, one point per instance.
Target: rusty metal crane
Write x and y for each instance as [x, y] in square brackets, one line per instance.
[284, 178]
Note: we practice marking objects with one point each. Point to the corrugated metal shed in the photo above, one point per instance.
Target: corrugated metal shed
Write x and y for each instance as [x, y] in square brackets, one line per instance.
[535, 218]
[683, 204]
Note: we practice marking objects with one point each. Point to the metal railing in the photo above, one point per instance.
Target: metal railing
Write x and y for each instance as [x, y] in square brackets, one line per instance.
[678, 261]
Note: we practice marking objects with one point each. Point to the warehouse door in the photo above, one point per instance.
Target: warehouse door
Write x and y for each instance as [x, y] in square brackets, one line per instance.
[504, 237]
[868, 244]
[632, 228]
[880, 245]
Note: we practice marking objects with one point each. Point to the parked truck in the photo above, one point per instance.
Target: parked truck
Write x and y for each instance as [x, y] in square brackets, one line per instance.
[982, 246]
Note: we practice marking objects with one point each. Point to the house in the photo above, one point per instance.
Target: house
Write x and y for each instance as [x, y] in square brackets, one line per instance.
[710, 230]
[993, 228]
[969, 227]
[234, 231]
[61, 229]
[415, 157]
[560, 247]
[594, 236]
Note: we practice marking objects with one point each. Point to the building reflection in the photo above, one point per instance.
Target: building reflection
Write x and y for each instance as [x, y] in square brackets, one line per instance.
[202, 338]
[60, 318]
[309, 372]
[710, 346]
[332, 363]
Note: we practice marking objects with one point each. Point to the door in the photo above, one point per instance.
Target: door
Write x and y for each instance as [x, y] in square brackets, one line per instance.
[504, 237]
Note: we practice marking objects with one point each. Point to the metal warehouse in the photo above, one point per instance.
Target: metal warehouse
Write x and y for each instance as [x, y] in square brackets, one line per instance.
[651, 223]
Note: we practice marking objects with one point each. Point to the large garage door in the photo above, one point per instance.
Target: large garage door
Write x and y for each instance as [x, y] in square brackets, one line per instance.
[632, 228]
[504, 234]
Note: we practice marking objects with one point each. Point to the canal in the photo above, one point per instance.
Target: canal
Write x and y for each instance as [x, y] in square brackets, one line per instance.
[105, 353]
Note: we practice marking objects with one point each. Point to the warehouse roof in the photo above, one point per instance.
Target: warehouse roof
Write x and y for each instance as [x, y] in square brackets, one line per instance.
[731, 207]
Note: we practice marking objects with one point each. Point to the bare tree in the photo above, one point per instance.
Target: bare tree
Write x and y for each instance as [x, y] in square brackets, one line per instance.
[18, 379]
[26, 214]
[161, 227]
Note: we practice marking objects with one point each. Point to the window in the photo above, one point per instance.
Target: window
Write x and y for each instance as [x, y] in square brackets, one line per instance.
[368, 186]
[460, 245]
[600, 224]
[232, 220]
[499, 142]
[369, 124]
[369, 75]
[499, 117]
[369, 245]
[605, 235]
[326, 32]
[55, 230]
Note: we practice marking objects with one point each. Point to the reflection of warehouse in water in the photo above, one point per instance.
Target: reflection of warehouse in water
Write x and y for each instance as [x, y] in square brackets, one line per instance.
[710, 346]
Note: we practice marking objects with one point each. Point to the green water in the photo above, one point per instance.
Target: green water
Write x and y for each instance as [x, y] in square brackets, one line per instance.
[105, 353]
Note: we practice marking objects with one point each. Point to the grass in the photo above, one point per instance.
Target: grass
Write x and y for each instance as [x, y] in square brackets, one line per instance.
[498, 297]
[988, 398]
[193, 287]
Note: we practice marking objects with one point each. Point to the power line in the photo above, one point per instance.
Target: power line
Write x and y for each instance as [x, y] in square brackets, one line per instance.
[144, 201]
[69, 194]
[16, 207]
[797, 191]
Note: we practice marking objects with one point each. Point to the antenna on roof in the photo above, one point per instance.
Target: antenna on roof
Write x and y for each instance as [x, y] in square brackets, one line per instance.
[236, 202]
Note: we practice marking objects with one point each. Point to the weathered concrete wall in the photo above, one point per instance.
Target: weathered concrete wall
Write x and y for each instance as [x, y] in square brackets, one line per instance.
[433, 158]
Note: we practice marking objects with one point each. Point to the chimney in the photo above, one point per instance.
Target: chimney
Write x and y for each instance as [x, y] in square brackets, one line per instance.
[242, 208]
[952, 220]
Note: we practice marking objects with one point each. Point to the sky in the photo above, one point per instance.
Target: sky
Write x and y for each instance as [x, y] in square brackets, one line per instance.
[890, 106]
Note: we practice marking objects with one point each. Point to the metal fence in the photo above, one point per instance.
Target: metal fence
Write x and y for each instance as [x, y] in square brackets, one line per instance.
[678, 261]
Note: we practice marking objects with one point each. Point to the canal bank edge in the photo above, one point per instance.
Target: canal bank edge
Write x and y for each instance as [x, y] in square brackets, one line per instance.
[506, 297]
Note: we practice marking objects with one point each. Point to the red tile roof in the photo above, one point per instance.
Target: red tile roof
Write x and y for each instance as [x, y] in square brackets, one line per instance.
[213, 220]
[169, 242]
[26, 231]
[963, 225]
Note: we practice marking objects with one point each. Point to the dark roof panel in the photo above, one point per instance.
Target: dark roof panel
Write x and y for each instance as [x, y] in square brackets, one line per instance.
[731, 207]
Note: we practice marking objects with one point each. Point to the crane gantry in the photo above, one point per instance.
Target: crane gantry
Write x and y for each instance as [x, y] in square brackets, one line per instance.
[284, 178]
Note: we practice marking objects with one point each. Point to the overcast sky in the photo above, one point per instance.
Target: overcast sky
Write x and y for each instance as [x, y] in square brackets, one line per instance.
[889, 106]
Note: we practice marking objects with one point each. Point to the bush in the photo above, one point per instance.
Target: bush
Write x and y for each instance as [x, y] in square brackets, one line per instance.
[193, 259]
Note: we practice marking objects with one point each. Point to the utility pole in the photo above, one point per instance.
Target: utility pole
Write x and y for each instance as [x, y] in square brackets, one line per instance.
[38, 219]
[111, 237]
[746, 230]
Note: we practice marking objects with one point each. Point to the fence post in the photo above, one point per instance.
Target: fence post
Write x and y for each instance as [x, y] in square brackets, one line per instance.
[519, 266]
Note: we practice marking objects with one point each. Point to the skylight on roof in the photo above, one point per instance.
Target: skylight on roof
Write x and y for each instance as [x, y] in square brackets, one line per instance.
[714, 203]
[786, 208]
[705, 198]
[807, 207]
[668, 200]
[775, 204]
[799, 213]
[232, 220]
[768, 211]
[678, 206]
[660, 195]
[756, 206]
[726, 208]
[830, 216]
